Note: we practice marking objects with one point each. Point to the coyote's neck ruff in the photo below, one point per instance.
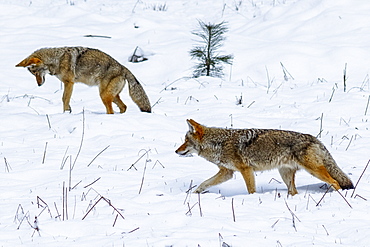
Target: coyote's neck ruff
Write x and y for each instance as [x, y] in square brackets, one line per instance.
[91, 67]
[249, 150]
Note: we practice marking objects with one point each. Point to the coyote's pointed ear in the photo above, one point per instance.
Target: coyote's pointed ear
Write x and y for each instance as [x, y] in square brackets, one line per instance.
[192, 125]
[195, 128]
[29, 61]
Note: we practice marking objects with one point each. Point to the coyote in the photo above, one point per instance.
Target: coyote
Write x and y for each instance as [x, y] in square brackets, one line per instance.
[90, 66]
[249, 150]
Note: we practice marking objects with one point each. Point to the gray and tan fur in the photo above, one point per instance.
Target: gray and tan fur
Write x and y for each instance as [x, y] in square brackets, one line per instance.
[250, 150]
[91, 67]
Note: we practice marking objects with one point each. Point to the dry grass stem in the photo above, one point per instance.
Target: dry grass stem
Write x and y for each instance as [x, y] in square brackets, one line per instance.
[82, 138]
[98, 155]
[360, 177]
[96, 180]
[102, 198]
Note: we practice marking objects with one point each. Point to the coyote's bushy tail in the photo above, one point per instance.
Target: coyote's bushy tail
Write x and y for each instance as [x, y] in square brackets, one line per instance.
[335, 172]
[137, 93]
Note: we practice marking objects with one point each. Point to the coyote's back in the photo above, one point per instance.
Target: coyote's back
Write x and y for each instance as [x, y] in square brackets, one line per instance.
[91, 67]
[249, 150]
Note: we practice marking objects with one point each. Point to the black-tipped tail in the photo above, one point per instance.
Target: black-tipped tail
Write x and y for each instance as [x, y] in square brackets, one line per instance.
[138, 94]
[347, 186]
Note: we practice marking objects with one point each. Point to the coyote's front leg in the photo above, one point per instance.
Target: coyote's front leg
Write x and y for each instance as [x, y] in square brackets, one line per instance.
[223, 175]
[68, 88]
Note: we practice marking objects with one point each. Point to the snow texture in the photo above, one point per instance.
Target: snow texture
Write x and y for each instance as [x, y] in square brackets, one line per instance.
[288, 73]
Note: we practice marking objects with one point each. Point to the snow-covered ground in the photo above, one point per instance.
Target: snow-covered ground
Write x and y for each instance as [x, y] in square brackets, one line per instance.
[309, 41]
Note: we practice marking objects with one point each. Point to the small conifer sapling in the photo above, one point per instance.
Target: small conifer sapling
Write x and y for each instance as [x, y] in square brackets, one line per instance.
[210, 61]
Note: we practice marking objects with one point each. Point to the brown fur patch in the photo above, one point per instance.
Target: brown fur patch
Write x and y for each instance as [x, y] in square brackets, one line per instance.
[27, 62]
[39, 79]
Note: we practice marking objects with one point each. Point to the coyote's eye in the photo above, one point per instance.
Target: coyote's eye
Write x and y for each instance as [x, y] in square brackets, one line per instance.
[189, 141]
[31, 69]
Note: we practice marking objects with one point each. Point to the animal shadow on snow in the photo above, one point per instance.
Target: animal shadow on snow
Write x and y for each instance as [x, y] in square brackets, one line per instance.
[230, 191]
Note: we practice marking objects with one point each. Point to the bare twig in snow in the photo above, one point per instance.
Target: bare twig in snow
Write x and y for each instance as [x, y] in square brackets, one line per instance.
[64, 159]
[47, 117]
[82, 138]
[66, 201]
[293, 216]
[338, 193]
[7, 166]
[232, 207]
[251, 104]
[19, 213]
[76, 185]
[321, 118]
[276, 194]
[345, 77]
[43, 205]
[268, 80]
[360, 177]
[109, 203]
[274, 179]
[200, 207]
[349, 143]
[56, 209]
[43, 158]
[308, 200]
[155, 163]
[98, 155]
[25, 216]
[190, 98]
[188, 192]
[367, 105]
[96, 180]
[35, 226]
[142, 178]
[172, 88]
[239, 101]
[325, 230]
[137, 228]
[273, 225]
[157, 102]
[286, 73]
[133, 165]
[70, 175]
[332, 94]
[357, 195]
[63, 201]
[190, 208]
[97, 36]
[317, 204]
[344, 199]
[115, 220]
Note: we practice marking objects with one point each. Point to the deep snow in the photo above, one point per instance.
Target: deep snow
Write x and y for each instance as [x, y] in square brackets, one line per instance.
[312, 41]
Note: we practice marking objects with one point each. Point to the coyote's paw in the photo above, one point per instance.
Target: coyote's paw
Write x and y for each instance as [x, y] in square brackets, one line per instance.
[68, 109]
